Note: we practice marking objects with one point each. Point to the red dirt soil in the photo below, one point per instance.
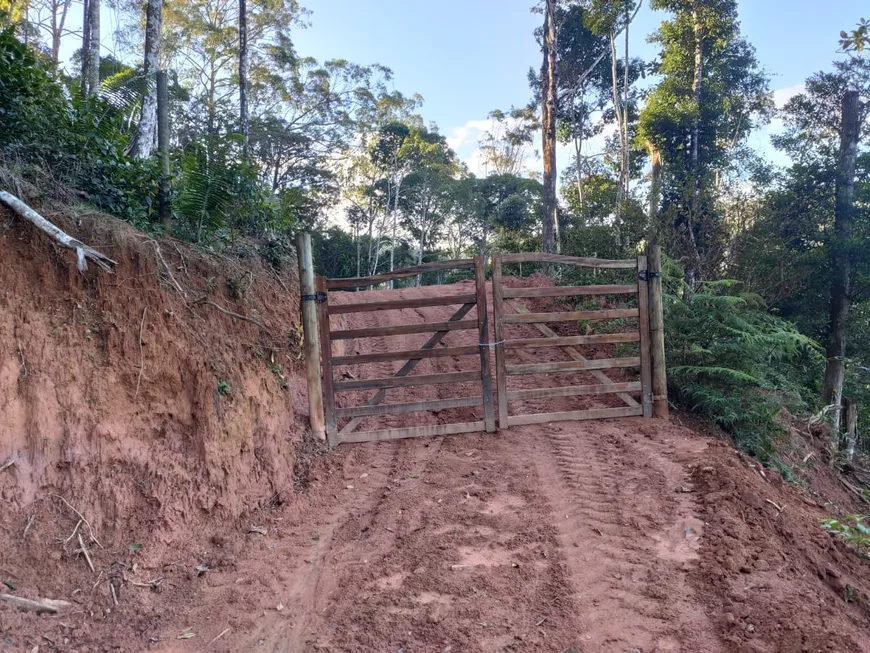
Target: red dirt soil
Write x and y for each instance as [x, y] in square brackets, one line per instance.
[615, 536]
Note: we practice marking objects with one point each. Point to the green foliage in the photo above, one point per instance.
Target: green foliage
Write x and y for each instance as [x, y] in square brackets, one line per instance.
[697, 124]
[81, 141]
[856, 40]
[223, 388]
[852, 530]
[30, 99]
[736, 364]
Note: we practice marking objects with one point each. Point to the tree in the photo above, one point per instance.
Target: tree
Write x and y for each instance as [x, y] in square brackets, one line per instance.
[549, 106]
[850, 131]
[388, 155]
[584, 85]
[143, 140]
[712, 94]
[205, 35]
[501, 208]
[857, 39]
[48, 17]
[91, 50]
[507, 145]
[803, 252]
[613, 18]
[429, 187]
[244, 121]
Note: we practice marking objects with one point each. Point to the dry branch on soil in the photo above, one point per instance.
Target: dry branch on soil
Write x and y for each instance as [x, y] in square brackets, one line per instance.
[153, 584]
[83, 252]
[84, 550]
[166, 267]
[43, 605]
[208, 302]
[82, 517]
[27, 527]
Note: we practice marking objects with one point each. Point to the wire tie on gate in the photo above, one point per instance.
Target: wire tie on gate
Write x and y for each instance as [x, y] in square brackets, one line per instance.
[492, 344]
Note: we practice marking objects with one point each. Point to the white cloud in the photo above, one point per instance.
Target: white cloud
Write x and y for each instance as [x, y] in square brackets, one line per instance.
[783, 95]
[468, 134]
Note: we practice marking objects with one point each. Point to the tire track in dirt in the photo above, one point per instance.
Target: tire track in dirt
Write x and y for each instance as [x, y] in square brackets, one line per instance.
[629, 568]
[460, 556]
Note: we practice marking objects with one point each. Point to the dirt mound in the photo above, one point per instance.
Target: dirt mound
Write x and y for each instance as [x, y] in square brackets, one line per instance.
[773, 578]
[137, 398]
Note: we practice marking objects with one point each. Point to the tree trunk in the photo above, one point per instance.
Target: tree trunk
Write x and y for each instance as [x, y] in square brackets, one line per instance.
[92, 72]
[614, 75]
[548, 125]
[626, 168]
[83, 252]
[163, 146]
[371, 217]
[395, 220]
[57, 29]
[356, 236]
[86, 47]
[579, 160]
[832, 393]
[693, 269]
[143, 141]
[851, 409]
[244, 121]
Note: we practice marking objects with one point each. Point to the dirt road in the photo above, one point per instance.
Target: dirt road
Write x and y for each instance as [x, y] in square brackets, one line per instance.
[572, 536]
[540, 538]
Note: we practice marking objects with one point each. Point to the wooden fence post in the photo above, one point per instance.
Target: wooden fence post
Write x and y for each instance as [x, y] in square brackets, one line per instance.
[483, 338]
[498, 327]
[310, 334]
[163, 146]
[643, 319]
[657, 333]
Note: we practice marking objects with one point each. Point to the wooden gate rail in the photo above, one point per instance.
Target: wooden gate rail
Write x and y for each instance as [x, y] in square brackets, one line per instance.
[572, 366]
[404, 273]
[502, 296]
[571, 316]
[403, 329]
[568, 291]
[374, 406]
[398, 304]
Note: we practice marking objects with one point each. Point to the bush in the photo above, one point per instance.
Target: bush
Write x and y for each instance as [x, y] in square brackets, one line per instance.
[736, 364]
[82, 144]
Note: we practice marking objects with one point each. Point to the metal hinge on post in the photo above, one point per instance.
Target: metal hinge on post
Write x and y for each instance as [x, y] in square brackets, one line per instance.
[319, 297]
[646, 275]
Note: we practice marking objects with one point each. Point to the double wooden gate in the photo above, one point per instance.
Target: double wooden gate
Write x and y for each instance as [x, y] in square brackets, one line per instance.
[341, 423]
[402, 378]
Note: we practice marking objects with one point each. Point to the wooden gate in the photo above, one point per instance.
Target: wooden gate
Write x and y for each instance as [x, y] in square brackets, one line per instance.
[507, 297]
[403, 378]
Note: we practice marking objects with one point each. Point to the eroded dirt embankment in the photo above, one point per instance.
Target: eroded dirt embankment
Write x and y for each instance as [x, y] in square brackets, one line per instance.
[157, 415]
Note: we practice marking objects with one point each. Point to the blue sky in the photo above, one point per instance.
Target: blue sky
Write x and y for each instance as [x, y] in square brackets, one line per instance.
[467, 57]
